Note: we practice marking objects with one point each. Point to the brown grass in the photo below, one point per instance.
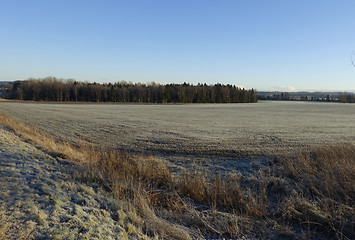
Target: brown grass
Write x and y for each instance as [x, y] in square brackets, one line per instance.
[326, 172]
[49, 144]
[325, 190]
[305, 196]
[221, 193]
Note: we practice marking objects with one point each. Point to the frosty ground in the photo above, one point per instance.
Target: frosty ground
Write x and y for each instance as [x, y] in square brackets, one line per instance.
[41, 199]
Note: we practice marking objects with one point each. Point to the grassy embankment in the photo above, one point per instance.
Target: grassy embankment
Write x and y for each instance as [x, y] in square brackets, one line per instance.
[306, 196]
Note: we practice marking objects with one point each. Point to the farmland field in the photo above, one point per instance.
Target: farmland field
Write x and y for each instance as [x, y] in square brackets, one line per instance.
[213, 171]
[194, 131]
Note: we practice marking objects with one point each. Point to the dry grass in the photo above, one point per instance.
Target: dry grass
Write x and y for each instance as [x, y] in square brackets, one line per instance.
[43, 141]
[325, 190]
[307, 196]
[222, 193]
[326, 172]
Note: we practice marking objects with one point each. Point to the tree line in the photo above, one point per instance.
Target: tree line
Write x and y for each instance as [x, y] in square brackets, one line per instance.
[346, 98]
[279, 96]
[52, 89]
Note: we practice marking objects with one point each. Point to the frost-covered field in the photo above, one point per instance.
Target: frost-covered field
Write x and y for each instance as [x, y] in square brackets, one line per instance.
[195, 130]
[45, 196]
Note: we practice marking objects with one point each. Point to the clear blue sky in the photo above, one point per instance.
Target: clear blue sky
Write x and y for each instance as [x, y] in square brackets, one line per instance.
[267, 45]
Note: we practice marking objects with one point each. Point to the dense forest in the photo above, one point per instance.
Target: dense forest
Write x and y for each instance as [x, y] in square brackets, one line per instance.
[52, 89]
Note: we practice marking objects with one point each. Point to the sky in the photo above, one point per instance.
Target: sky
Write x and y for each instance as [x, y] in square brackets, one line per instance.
[266, 45]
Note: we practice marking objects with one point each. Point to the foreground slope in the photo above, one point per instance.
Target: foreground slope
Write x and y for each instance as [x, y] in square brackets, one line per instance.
[39, 198]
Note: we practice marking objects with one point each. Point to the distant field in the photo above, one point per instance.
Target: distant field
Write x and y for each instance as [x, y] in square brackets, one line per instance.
[194, 130]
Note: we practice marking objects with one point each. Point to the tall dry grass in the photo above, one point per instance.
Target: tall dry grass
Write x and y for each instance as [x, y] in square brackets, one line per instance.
[324, 180]
[326, 172]
[222, 193]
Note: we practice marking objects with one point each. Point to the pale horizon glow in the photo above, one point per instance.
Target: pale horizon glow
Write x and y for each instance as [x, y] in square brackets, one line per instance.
[265, 45]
